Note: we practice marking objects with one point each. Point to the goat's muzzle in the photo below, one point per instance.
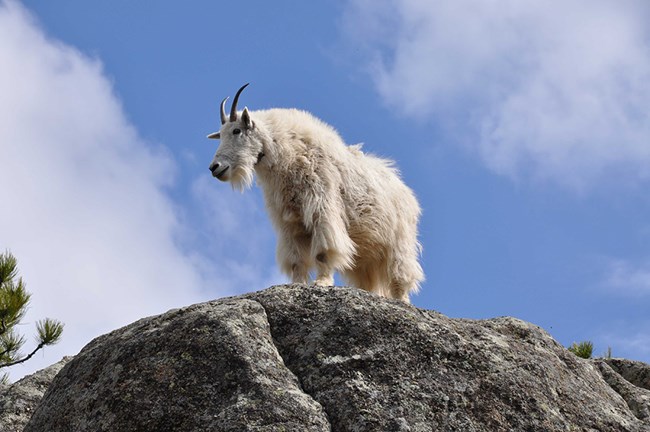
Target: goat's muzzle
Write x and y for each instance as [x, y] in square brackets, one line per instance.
[218, 170]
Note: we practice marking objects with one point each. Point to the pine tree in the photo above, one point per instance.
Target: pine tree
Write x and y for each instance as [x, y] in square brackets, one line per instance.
[14, 300]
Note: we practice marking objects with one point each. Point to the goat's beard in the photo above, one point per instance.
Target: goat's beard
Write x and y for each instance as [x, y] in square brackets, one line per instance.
[242, 177]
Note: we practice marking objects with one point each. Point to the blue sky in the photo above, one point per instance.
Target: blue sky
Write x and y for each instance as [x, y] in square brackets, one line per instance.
[522, 128]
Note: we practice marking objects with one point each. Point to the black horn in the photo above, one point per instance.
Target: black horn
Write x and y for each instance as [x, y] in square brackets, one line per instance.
[233, 109]
[224, 119]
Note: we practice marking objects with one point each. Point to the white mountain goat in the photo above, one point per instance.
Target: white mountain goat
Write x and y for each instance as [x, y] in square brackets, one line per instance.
[334, 208]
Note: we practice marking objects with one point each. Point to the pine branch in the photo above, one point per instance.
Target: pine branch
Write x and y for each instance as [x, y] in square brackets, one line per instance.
[8, 267]
[49, 331]
[24, 359]
[14, 300]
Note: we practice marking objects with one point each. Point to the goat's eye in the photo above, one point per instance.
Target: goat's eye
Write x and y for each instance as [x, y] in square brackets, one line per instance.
[236, 131]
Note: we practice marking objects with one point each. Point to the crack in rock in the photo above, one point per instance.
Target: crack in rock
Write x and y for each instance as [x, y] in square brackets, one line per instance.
[638, 399]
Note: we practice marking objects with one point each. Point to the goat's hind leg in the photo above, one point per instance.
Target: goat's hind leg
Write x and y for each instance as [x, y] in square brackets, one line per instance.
[366, 277]
[400, 290]
[405, 276]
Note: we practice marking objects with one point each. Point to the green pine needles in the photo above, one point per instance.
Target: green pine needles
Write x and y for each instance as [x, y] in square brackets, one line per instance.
[14, 300]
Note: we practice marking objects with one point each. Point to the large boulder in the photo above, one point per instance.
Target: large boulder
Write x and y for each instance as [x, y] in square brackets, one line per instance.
[297, 358]
[208, 367]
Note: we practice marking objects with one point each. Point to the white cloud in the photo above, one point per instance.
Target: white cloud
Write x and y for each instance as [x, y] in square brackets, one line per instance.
[541, 90]
[84, 206]
[626, 278]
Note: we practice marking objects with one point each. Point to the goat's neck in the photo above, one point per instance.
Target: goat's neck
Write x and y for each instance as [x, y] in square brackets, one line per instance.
[276, 165]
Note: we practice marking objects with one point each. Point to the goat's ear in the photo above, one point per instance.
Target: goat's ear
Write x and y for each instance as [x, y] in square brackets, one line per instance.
[215, 135]
[246, 119]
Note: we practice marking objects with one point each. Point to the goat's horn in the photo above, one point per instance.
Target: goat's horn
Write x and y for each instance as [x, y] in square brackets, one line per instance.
[224, 119]
[233, 109]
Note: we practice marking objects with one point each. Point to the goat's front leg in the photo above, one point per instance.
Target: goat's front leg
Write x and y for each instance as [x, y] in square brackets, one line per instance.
[331, 249]
[293, 256]
[325, 274]
[324, 218]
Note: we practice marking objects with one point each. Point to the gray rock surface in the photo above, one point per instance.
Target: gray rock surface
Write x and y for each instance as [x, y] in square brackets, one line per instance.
[18, 400]
[296, 358]
[637, 373]
[637, 398]
[208, 367]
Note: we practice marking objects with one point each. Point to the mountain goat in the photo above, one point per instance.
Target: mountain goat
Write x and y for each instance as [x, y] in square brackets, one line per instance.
[334, 207]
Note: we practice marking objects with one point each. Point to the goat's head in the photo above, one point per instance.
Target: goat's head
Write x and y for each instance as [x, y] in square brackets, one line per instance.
[240, 148]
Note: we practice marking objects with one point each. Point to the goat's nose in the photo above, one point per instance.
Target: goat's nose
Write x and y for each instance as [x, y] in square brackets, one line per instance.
[214, 166]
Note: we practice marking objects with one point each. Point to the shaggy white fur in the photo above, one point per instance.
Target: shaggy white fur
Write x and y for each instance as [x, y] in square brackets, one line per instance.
[334, 207]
